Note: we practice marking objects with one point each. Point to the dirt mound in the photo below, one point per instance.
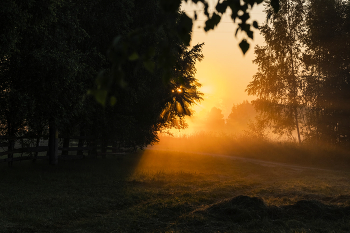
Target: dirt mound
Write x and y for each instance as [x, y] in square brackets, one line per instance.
[245, 209]
[239, 209]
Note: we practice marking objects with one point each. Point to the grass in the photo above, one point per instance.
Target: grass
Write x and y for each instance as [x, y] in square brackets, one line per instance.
[159, 191]
[307, 154]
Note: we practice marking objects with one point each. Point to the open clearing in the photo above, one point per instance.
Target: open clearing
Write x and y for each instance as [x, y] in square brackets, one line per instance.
[164, 191]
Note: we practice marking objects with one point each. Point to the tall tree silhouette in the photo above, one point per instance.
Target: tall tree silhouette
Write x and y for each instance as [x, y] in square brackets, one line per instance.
[327, 64]
[278, 82]
[183, 88]
[44, 65]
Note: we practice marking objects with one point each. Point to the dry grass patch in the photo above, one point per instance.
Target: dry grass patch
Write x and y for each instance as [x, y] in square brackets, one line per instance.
[160, 191]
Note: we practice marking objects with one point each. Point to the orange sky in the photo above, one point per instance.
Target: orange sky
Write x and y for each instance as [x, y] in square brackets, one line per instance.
[224, 71]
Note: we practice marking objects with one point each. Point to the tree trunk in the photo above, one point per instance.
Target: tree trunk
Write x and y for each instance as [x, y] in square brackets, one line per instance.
[53, 142]
[11, 142]
[297, 124]
[11, 147]
[115, 147]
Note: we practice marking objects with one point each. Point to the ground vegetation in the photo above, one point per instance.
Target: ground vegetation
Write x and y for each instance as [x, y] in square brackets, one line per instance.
[159, 191]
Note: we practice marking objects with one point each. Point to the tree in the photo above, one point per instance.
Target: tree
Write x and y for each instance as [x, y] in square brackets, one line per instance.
[279, 81]
[53, 53]
[240, 116]
[130, 47]
[146, 105]
[327, 71]
[43, 70]
[184, 88]
[58, 54]
[215, 120]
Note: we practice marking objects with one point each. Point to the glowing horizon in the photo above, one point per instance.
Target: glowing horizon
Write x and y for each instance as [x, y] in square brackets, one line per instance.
[224, 72]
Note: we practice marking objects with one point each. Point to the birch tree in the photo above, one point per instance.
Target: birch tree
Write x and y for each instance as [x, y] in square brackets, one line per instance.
[279, 80]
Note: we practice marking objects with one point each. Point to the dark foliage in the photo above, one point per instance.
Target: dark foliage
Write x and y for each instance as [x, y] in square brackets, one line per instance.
[56, 49]
[303, 78]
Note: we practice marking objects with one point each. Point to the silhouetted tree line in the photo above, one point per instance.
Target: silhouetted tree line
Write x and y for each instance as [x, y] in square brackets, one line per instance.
[237, 122]
[303, 82]
[52, 51]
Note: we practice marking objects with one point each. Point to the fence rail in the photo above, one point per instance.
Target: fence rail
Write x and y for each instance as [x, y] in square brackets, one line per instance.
[86, 143]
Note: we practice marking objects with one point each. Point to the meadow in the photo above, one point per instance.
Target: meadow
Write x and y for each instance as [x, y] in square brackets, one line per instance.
[312, 154]
[166, 191]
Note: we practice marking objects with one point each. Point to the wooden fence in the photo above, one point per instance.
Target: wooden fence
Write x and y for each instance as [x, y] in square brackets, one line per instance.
[22, 148]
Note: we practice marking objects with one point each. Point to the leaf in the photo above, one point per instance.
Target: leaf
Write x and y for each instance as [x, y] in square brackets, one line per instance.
[122, 83]
[133, 57]
[275, 5]
[244, 45]
[255, 24]
[212, 22]
[113, 100]
[149, 65]
[221, 7]
[244, 17]
[206, 7]
[250, 2]
[237, 31]
[250, 34]
[100, 95]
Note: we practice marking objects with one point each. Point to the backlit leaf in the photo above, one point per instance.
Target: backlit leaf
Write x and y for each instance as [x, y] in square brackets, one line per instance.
[212, 22]
[221, 7]
[133, 57]
[100, 95]
[244, 45]
[149, 65]
[113, 101]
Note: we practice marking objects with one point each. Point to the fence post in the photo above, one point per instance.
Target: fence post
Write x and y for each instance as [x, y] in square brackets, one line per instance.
[92, 144]
[115, 146]
[104, 145]
[65, 145]
[37, 144]
[81, 142]
[11, 147]
[53, 142]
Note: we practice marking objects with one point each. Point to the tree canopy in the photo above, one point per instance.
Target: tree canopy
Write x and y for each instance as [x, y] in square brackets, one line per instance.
[54, 50]
[129, 47]
[303, 79]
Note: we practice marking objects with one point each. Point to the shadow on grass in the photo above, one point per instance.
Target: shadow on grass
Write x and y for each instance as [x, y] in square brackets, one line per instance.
[40, 196]
[122, 165]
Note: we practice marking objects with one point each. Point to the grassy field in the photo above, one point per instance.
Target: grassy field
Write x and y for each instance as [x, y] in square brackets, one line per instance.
[159, 191]
[307, 154]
